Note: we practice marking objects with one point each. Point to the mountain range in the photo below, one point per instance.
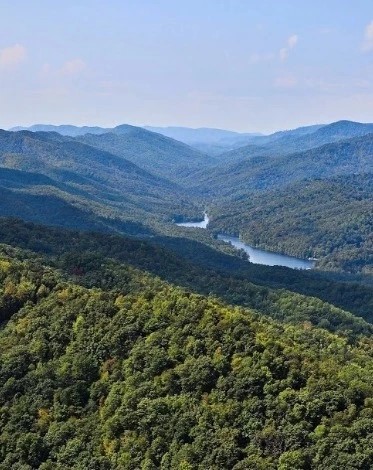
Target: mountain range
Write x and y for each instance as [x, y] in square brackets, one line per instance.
[301, 139]
[275, 170]
[127, 341]
[133, 180]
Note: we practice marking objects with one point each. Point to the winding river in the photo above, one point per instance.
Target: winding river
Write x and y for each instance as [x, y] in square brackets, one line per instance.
[256, 255]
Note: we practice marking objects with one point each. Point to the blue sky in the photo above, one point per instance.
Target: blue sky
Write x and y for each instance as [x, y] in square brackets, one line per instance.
[245, 65]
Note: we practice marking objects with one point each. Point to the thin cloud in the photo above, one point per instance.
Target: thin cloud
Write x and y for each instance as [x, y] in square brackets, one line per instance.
[12, 56]
[291, 42]
[284, 54]
[287, 81]
[256, 58]
[73, 67]
[368, 38]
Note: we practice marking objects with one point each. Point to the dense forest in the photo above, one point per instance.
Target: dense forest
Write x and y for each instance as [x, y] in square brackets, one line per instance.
[283, 293]
[129, 342]
[330, 220]
[105, 365]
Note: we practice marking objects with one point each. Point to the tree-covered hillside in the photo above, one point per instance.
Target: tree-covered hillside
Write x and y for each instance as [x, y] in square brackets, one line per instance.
[153, 152]
[299, 140]
[282, 293]
[105, 366]
[97, 182]
[329, 219]
[270, 171]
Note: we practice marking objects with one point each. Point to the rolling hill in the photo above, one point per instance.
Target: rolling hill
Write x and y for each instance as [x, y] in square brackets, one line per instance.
[153, 152]
[95, 177]
[263, 173]
[298, 140]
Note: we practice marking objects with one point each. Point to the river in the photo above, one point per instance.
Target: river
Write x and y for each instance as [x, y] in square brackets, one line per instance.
[256, 255]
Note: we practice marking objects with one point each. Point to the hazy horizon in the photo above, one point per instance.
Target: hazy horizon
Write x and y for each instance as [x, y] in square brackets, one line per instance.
[225, 64]
[173, 126]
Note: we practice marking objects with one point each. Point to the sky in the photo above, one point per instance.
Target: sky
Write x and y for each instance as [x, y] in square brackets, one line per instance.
[245, 65]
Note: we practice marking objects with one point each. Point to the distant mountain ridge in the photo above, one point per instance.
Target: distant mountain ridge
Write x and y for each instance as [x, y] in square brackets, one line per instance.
[150, 151]
[299, 140]
[225, 144]
[67, 129]
[265, 172]
[206, 140]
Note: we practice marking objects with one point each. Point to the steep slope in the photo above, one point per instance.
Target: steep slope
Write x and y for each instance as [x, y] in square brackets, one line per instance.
[136, 373]
[266, 172]
[329, 219]
[94, 174]
[154, 152]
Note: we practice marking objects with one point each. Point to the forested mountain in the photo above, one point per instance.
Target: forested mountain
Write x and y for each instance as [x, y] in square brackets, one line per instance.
[269, 172]
[229, 146]
[299, 140]
[154, 152]
[93, 185]
[210, 141]
[161, 155]
[330, 219]
[186, 298]
[106, 366]
[102, 183]
[297, 132]
[35, 197]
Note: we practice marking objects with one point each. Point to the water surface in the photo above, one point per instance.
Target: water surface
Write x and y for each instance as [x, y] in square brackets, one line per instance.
[269, 258]
[202, 224]
[256, 255]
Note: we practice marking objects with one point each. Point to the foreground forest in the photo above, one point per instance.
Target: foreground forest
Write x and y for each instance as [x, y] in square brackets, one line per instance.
[107, 365]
